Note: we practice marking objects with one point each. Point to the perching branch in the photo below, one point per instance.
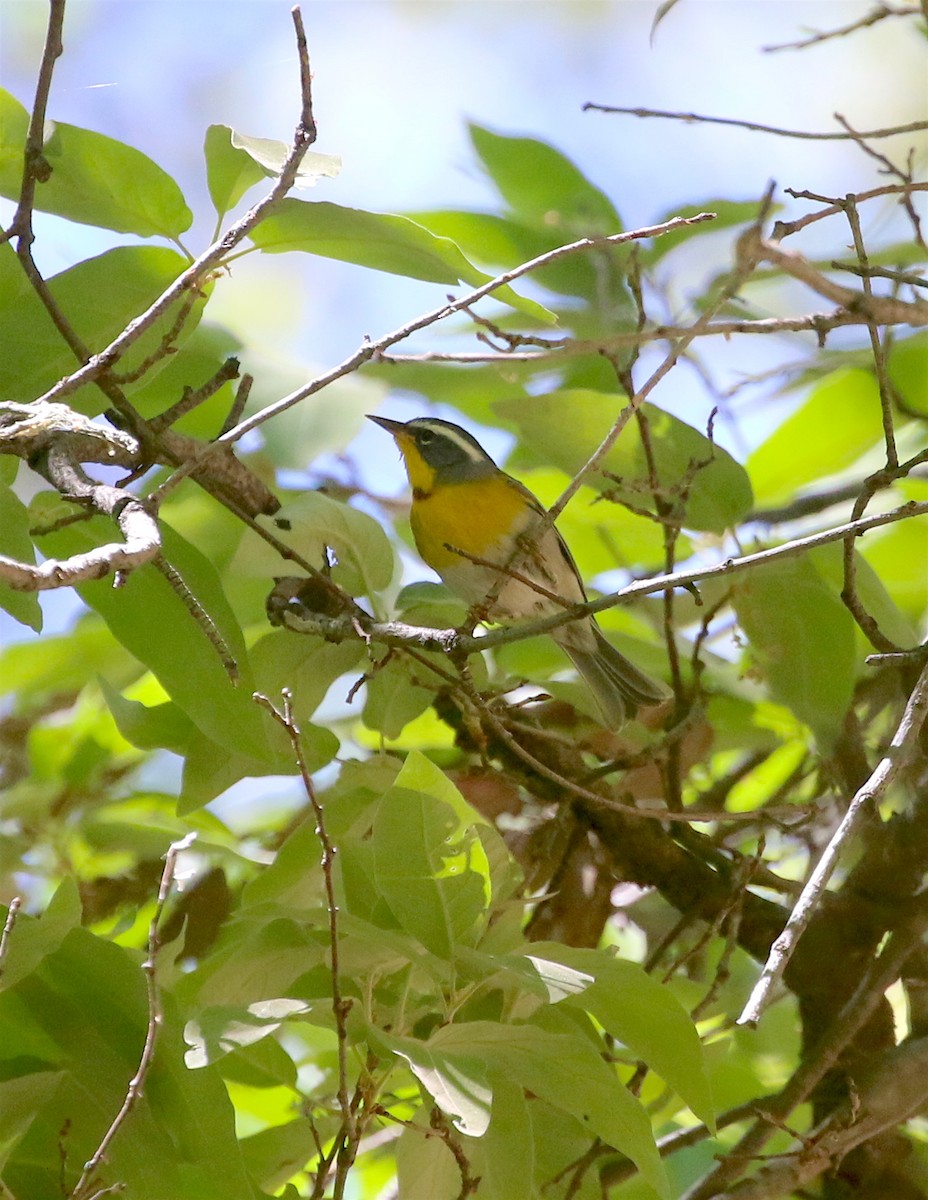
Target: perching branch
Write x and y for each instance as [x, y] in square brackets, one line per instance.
[397, 633]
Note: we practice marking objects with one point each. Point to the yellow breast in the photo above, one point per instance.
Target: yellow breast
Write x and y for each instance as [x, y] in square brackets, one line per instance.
[474, 516]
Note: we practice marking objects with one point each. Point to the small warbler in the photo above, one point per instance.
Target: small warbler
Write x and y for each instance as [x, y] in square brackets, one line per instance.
[495, 546]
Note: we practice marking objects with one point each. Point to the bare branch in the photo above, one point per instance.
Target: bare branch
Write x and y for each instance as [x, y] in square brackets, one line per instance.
[887, 771]
[349, 1136]
[155, 1019]
[695, 118]
[12, 913]
[880, 13]
[212, 257]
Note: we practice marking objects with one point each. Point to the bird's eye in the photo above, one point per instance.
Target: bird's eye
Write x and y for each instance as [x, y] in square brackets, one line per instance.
[426, 436]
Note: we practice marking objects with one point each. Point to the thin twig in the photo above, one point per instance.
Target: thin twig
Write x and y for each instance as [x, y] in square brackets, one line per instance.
[349, 1136]
[212, 257]
[886, 772]
[11, 914]
[696, 118]
[880, 13]
[370, 350]
[744, 266]
[155, 1019]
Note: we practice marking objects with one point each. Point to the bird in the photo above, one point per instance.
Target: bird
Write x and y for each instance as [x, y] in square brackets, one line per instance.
[494, 546]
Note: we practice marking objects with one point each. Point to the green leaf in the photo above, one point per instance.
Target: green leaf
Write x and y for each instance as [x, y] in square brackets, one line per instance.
[94, 179]
[839, 420]
[15, 542]
[312, 521]
[123, 283]
[305, 664]
[567, 1071]
[638, 1011]
[563, 428]
[153, 623]
[271, 155]
[829, 562]
[544, 187]
[802, 641]
[431, 868]
[378, 240]
[908, 371]
[218, 1031]
[504, 1158]
[398, 692]
[149, 727]
[230, 172]
[273, 1155]
[506, 242]
[425, 1167]
[84, 1009]
[53, 665]
[34, 938]
[457, 1083]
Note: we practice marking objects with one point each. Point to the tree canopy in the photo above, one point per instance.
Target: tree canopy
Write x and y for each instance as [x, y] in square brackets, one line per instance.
[493, 949]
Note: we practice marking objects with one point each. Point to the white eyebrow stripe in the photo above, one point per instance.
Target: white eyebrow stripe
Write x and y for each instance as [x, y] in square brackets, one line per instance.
[473, 451]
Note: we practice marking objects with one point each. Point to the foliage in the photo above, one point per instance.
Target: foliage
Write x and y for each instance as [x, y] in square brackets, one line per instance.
[482, 1011]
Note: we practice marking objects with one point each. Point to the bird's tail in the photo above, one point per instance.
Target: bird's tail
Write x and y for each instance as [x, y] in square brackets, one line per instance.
[619, 687]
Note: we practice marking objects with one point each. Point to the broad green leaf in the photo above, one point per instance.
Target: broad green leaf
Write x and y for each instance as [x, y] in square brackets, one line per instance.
[563, 428]
[425, 1167]
[15, 542]
[829, 562]
[839, 420]
[506, 242]
[504, 1158]
[311, 522]
[273, 1155]
[53, 665]
[147, 726]
[256, 960]
[908, 371]
[210, 766]
[802, 641]
[897, 553]
[34, 938]
[235, 162]
[271, 155]
[637, 1010]
[398, 692]
[378, 240]
[431, 868]
[218, 1031]
[457, 1083]
[94, 179]
[123, 283]
[305, 664]
[544, 187]
[84, 1008]
[152, 622]
[567, 1071]
[230, 172]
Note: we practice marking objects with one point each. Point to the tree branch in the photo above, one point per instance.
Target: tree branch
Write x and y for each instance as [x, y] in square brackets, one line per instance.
[887, 771]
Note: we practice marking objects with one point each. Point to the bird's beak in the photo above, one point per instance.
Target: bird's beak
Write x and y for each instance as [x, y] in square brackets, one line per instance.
[394, 428]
